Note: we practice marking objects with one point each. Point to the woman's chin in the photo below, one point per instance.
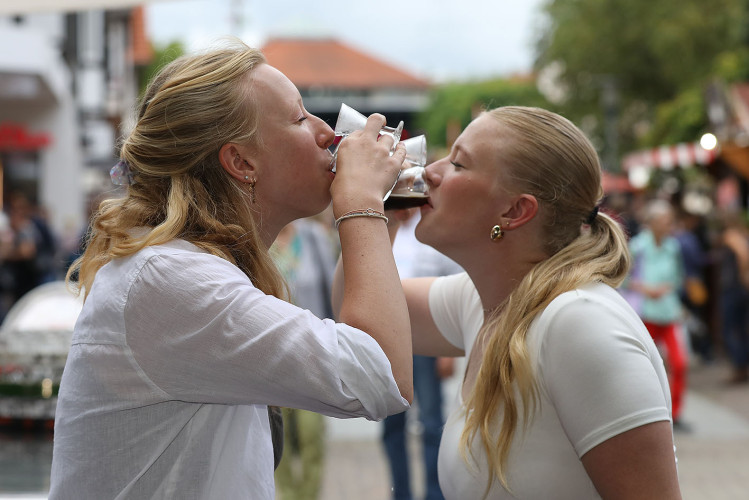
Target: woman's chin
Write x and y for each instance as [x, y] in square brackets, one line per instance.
[422, 233]
[320, 207]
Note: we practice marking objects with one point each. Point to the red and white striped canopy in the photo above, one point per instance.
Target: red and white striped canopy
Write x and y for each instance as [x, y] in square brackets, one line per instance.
[668, 157]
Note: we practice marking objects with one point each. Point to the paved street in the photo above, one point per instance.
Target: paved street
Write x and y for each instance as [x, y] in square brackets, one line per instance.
[713, 457]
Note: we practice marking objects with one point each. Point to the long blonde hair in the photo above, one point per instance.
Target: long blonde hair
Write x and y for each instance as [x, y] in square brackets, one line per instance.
[191, 108]
[548, 157]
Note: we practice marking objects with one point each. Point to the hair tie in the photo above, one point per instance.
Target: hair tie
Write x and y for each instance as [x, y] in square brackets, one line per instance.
[121, 174]
[592, 216]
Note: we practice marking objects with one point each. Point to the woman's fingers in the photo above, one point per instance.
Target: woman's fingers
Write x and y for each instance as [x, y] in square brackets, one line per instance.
[375, 122]
[400, 154]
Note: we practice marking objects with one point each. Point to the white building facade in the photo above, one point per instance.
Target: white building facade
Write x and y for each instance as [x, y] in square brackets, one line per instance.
[67, 86]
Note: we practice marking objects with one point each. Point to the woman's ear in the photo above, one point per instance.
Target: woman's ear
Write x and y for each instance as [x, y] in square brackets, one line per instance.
[238, 166]
[523, 209]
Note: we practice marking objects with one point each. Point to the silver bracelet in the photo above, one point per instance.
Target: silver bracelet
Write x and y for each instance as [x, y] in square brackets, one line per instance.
[360, 213]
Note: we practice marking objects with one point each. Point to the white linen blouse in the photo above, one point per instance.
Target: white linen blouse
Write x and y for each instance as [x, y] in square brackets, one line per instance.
[174, 359]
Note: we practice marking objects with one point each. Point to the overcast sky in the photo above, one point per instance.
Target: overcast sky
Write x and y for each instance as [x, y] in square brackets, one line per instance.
[435, 39]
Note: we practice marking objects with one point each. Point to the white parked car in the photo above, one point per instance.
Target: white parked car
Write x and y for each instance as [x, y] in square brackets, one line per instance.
[34, 342]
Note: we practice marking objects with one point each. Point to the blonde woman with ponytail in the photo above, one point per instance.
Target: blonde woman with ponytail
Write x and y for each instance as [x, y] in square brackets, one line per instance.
[564, 395]
[186, 338]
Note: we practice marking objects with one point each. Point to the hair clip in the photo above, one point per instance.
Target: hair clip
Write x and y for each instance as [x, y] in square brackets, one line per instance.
[121, 174]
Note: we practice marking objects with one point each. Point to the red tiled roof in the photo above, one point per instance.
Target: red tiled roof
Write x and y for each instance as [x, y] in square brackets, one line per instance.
[141, 52]
[329, 63]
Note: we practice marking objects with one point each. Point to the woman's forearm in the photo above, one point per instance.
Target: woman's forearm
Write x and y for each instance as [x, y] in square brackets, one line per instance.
[367, 294]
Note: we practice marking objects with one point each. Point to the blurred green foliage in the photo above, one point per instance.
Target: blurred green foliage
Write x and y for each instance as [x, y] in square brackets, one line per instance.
[681, 119]
[659, 55]
[733, 66]
[455, 104]
[162, 56]
[656, 58]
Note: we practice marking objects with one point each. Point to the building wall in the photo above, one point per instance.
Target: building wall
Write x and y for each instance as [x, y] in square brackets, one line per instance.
[68, 76]
[43, 103]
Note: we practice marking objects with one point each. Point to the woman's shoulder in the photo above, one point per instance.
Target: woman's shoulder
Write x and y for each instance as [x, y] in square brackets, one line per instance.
[587, 329]
[175, 263]
[596, 304]
[595, 291]
[586, 314]
[179, 249]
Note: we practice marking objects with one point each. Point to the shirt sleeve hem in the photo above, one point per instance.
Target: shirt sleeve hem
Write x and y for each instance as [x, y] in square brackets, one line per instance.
[620, 426]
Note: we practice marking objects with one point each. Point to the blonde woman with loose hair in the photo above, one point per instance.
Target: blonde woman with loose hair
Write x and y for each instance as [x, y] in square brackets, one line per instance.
[186, 338]
[564, 395]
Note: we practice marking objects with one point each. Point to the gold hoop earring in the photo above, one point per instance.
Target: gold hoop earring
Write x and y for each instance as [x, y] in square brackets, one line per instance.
[496, 233]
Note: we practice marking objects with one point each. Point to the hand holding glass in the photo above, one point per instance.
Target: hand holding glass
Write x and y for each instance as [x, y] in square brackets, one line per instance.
[350, 120]
[410, 188]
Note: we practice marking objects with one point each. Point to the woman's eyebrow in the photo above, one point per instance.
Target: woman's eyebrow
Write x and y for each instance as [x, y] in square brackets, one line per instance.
[463, 151]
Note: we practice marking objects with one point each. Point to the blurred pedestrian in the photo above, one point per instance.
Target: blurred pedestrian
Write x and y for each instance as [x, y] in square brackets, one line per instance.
[48, 262]
[6, 278]
[658, 276]
[77, 246]
[21, 258]
[623, 207]
[694, 293]
[734, 295]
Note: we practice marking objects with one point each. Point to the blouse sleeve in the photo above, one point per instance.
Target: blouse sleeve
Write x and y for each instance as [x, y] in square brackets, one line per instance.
[599, 371]
[201, 332]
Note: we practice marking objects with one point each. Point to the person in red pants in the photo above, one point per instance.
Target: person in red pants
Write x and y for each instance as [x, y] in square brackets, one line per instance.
[658, 275]
[670, 337]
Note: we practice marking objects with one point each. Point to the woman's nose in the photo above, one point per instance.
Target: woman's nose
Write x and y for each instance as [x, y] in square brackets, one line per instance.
[325, 135]
[432, 174]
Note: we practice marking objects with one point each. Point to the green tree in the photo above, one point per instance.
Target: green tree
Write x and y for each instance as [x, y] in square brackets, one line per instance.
[680, 119]
[656, 55]
[455, 104]
[163, 55]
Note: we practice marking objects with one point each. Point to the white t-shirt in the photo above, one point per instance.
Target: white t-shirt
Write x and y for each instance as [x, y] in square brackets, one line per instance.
[174, 358]
[599, 374]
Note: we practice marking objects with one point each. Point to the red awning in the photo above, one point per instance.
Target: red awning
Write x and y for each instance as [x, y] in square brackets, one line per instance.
[16, 137]
[668, 157]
